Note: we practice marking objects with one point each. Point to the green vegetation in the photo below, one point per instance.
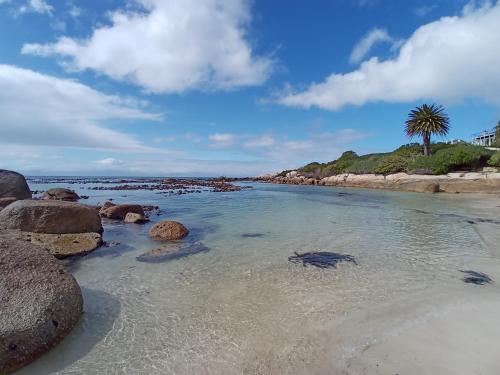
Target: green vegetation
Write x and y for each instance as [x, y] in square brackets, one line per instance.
[426, 120]
[443, 158]
[497, 135]
[495, 160]
[413, 158]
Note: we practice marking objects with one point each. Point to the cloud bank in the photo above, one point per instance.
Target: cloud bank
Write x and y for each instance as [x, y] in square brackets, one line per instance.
[169, 46]
[449, 60]
[38, 109]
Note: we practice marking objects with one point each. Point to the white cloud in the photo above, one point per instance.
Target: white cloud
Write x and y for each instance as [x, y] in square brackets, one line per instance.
[109, 161]
[425, 10]
[222, 140]
[169, 46]
[37, 6]
[260, 141]
[363, 47]
[74, 11]
[449, 60]
[38, 109]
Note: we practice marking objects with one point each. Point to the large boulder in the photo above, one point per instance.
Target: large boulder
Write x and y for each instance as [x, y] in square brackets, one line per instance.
[50, 216]
[4, 202]
[61, 194]
[13, 184]
[119, 211]
[168, 230]
[40, 303]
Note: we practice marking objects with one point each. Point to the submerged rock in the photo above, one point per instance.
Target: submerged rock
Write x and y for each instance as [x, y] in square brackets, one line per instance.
[13, 185]
[119, 211]
[474, 277]
[132, 217]
[61, 194]
[50, 216]
[321, 259]
[168, 230]
[40, 303]
[172, 252]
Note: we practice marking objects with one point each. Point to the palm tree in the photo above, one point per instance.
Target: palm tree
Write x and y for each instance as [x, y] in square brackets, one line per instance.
[426, 120]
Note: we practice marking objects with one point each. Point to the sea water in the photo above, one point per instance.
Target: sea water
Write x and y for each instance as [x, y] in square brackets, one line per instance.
[242, 307]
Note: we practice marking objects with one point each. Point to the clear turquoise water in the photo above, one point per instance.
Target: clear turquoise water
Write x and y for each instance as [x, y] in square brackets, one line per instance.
[242, 308]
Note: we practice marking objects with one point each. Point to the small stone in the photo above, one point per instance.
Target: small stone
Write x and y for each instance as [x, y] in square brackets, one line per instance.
[132, 217]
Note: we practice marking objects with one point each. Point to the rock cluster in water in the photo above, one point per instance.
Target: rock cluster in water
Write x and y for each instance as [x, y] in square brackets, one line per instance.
[175, 186]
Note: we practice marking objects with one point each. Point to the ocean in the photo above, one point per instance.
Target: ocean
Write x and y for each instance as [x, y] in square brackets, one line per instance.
[241, 306]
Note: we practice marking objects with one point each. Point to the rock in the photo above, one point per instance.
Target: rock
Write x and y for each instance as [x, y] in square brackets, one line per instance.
[106, 205]
[66, 244]
[172, 252]
[59, 245]
[61, 194]
[40, 303]
[4, 202]
[119, 211]
[50, 216]
[160, 253]
[13, 184]
[132, 217]
[168, 230]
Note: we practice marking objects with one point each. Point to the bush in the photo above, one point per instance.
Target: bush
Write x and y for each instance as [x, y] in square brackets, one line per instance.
[450, 159]
[313, 169]
[495, 160]
[392, 164]
[342, 163]
[365, 164]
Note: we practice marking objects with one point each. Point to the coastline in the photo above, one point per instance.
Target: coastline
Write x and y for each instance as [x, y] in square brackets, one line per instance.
[458, 182]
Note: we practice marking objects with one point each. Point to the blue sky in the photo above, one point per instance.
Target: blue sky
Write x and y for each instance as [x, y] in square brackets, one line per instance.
[234, 87]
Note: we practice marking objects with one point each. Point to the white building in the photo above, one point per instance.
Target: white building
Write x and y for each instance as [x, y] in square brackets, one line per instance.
[486, 138]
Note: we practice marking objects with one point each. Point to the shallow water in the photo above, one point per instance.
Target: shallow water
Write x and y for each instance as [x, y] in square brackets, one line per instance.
[242, 307]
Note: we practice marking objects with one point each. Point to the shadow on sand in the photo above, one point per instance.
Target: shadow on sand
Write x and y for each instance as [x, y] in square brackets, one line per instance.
[101, 309]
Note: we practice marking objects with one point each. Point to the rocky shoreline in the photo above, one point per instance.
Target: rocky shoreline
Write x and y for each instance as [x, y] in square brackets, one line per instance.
[487, 182]
[40, 302]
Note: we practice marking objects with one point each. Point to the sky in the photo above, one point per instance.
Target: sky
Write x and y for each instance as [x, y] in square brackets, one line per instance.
[234, 87]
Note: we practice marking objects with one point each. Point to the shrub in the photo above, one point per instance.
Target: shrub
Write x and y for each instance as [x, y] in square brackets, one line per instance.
[312, 169]
[409, 150]
[392, 164]
[365, 164]
[453, 158]
[342, 163]
[495, 160]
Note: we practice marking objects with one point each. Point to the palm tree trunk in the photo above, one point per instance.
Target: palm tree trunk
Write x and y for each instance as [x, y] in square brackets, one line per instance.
[427, 144]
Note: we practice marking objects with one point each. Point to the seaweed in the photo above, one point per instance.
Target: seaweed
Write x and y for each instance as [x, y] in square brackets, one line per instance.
[477, 278]
[321, 259]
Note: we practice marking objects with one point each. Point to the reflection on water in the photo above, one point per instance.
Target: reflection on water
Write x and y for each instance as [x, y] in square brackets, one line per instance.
[242, 308]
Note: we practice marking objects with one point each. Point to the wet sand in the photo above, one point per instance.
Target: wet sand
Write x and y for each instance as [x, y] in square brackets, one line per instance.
[453, 338]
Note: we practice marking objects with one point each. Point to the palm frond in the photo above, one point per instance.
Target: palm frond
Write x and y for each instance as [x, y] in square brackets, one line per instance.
[426, 120]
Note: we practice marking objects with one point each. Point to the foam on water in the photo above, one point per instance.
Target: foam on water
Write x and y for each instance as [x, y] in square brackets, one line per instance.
[242, 307]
